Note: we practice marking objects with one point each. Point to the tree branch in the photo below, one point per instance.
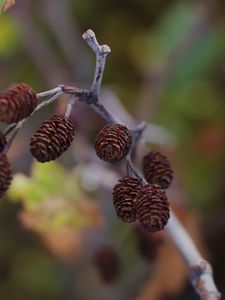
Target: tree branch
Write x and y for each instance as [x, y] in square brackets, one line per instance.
[101, 52]
[200, 270]
[13, 129]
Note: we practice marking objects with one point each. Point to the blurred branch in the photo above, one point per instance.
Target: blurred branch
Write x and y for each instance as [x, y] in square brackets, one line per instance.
[38, 48]
[66, 31]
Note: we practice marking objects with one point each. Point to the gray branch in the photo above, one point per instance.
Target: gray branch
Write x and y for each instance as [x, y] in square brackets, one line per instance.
[101, 52]
[199, 269]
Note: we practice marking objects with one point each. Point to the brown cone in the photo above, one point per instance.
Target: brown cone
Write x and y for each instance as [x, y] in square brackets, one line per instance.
[152, 208]
[17, 103]
[148, 244]
[124, 198]
[2, 141]
[107, 262]
[157, 169]
[52, 138]
[113, 142]
[5, 174]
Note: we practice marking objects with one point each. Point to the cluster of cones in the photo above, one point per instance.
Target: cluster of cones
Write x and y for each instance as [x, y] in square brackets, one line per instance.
[132, 199]
[55, 135]
[147, 203]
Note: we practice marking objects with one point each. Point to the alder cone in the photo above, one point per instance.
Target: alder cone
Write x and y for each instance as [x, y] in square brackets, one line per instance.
[152, 208]
[113, 142]
[157, 169]
[2, 141]
[107, 262]
[52, 138]
[148, 244]
[5, 174]
[124, 198]
[17, 103]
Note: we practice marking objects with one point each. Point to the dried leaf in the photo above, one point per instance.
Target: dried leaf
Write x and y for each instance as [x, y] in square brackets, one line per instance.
[6, 4]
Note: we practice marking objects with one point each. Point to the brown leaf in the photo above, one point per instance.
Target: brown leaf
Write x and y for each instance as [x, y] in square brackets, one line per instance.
[6, 5]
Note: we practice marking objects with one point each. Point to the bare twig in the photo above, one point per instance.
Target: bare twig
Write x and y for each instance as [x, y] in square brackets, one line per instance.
[93, 101]
[136, 136]
[65, 30]
[38, 47]
[101, 53]
[200, 270]
[70, 105]
[131, 169]
[51, 96]
[14, 128]
[52, 92]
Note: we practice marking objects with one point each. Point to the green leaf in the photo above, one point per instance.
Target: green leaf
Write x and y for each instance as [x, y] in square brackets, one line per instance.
[49, 179]
[52, 199]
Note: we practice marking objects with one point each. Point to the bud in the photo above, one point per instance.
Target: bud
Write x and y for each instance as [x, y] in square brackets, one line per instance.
[152, 208]
[52, 138]
[124, 198]
[113, 142]
[5, 174]
[17, 103]
[157, 169]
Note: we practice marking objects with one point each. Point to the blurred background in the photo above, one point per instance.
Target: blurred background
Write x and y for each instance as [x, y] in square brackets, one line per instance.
[59, 235]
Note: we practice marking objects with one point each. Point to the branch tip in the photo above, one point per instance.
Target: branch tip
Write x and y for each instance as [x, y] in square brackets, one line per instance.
[89, 34]
[105, 49]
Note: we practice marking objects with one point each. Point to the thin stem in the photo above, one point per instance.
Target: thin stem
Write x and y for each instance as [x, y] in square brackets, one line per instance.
[101, 52]
[102, 110]
[90, 99]
[48, 100]
[10, 140]
[136, 136]
[131, 169]
[58, 90]
[69, 106]
[14, 128]
[9, 129]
